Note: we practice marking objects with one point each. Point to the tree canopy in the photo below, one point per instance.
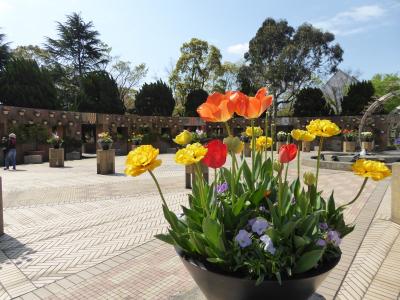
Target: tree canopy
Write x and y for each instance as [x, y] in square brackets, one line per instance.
[193, 101]
[4, 51]
[100, 94]
[155, 99]
[386, 83]
[23, 83]
[285, 59]
[359, 95]
[198, 67]
[310, 102]
[78, 46]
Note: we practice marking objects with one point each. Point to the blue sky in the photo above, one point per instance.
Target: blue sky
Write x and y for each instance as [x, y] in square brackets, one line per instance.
[152, 31]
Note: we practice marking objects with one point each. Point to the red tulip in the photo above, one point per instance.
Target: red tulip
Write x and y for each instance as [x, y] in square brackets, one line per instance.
[287, 153]
[216, 154]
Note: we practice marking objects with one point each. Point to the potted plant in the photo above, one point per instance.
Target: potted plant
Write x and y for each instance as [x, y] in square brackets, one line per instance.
[252, 234]
[349, 138]
[281, 139]
[136, 139]
[367, 141]
[105, 141]
[56, 152]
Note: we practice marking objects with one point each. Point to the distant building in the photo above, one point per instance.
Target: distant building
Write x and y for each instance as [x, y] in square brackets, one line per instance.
[335, 89]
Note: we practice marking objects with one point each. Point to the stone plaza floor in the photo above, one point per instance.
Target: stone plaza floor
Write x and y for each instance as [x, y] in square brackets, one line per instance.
[73, 234]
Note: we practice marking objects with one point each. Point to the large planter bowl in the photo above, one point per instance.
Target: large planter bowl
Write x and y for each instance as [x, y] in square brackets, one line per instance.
[219, 286]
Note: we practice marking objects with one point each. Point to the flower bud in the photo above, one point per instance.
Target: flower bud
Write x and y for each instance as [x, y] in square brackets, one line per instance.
[234, 144]
[309, 178]
[277, 166]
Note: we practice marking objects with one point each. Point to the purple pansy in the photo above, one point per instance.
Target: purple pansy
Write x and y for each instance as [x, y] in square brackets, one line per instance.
[321, 243]
[259, 226]
[268, 245]
[323, 226]
[333, 237]
[243, 238]
[222, 188]
[251, 221]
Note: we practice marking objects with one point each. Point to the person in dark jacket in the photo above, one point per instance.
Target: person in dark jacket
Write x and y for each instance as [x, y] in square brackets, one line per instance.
[11, 151]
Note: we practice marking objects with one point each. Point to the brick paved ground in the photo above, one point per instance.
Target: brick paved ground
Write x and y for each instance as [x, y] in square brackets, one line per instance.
[73, 234]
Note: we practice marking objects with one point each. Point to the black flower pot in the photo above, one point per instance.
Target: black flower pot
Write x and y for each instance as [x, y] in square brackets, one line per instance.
[105, 146]
[216, 285]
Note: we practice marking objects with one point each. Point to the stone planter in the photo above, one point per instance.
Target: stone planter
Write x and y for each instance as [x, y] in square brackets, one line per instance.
[247, 150]
[105, 161]
[305, 146]
[190, 175]
[368, 146]
[349, 146]
[279, 145]
[56, 157]
[217, 284]
[33, 159]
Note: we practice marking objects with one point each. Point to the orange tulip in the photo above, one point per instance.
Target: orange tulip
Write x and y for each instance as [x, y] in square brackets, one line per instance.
[253, 107]
[217, 108]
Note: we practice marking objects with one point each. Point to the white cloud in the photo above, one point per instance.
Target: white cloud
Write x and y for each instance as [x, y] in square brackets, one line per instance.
[352, 21]
[239, 49]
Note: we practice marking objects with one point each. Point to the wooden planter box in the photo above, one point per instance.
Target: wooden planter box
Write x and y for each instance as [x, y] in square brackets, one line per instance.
[349, 146]
[368, 146]
[56, 157]
[305, 146]
[105, 161]
[190, 175]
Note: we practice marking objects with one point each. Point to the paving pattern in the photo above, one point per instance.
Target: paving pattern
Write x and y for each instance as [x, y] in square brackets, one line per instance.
[73, 234]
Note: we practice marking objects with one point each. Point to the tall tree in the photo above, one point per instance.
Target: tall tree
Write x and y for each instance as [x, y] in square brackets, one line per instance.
[155, 99]
[128, 78]
[198, 67]
[386, 83]
[23, 83]
[4, 51]
[357, 98]
[78, 46]
[285, 59]
[193, 101]
[228, 77]
[100, 94]
[310, 102]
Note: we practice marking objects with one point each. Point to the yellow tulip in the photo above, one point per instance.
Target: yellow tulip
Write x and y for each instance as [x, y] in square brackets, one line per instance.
[369, 168]
[263, 143]
[191, 154]
[234, 144]
[323, 128]
[184, 138]
[142, 159]
[302, 135]
[257, 131]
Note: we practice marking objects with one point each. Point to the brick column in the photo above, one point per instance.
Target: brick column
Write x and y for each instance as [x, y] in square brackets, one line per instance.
[395, 189]
[1, 209]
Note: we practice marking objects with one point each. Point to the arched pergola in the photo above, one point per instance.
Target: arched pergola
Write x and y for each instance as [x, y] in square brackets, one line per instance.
[370, 110]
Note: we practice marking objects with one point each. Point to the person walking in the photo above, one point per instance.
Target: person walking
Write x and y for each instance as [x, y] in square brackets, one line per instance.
[11, 151]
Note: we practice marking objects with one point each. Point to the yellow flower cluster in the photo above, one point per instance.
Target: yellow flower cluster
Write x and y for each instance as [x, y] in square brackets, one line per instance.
[142, 159]
[184, 138]
[323, 128]
[191, 154]
[302, 135]
[263, 143]
[257, 131]
[369, 168]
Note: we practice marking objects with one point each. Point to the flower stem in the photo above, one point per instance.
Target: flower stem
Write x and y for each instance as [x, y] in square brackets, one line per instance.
[321, 141]
[358, 194]
[228, 129]
[266, 134]
[298, 160]
[272, 145]
[159, 189]
[253, 150]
